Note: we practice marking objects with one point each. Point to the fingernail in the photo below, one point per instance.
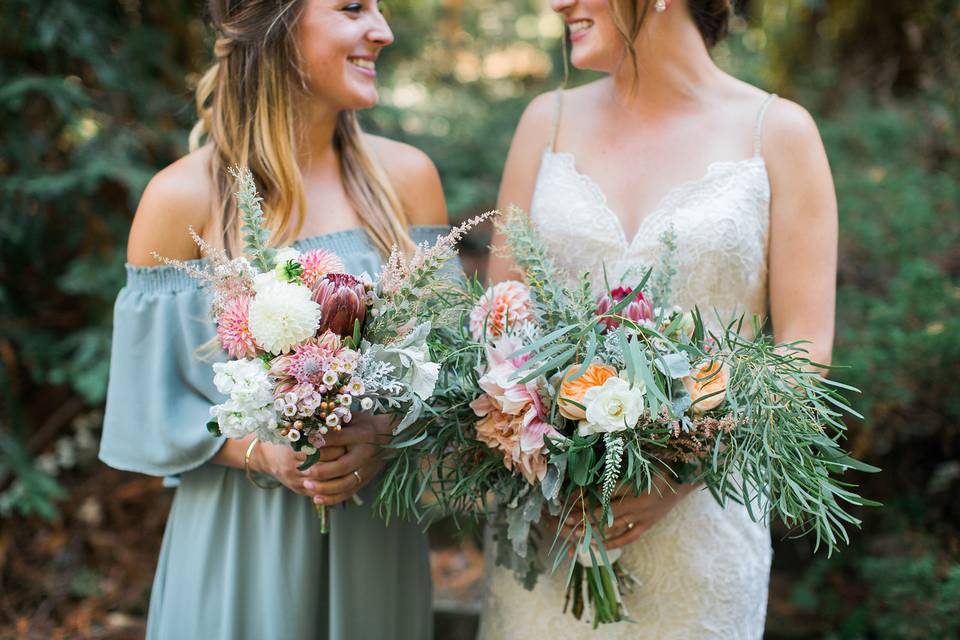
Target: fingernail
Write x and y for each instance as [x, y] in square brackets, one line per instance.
[317, 500]
[307, 484]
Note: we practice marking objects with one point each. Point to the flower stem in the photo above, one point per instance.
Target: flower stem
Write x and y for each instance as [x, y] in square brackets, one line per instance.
[322, 514]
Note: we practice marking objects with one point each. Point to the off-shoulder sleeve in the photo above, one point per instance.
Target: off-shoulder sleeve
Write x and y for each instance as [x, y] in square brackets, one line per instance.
[159, 394]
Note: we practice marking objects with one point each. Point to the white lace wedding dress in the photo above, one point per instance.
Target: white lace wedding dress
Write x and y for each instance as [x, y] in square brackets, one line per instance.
[703, 570]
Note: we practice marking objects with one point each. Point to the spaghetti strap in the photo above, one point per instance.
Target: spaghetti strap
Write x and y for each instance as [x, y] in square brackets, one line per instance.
[758, 128]
[556, 120]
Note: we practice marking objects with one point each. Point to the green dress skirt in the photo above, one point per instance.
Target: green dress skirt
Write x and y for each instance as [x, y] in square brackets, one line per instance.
[239, 562]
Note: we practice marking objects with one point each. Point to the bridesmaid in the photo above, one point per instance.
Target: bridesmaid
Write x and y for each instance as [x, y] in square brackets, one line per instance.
[239, 561]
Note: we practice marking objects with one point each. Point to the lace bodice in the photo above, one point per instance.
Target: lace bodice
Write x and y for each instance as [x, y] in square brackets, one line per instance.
[720, 222]
[703, 570]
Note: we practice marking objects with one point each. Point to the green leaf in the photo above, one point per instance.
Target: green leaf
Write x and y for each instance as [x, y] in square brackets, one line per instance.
[311, 460]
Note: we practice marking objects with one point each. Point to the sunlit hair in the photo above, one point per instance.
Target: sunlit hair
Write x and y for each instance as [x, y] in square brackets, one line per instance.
[710, 16]
[246, 105]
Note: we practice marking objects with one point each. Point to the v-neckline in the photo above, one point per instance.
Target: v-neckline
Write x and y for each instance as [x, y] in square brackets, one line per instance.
[663, 205]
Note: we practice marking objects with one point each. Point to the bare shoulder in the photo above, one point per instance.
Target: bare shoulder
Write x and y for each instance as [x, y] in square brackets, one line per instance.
[788, 129]
[531, 137]
[178, 197]
[415, 178]
[536, 123]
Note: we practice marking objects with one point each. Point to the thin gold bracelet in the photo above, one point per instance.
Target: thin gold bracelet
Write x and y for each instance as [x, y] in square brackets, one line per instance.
[246, 467]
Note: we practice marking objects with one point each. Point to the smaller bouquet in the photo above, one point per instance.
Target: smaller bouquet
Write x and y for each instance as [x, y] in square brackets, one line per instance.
[309, 344]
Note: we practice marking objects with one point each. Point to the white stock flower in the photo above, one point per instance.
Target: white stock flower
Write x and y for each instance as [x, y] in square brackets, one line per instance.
[613, 406]
[283, 315]
[250, 407]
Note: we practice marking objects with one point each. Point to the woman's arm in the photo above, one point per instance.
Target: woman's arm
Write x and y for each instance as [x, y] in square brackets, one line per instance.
[803, 231]
[520, 173]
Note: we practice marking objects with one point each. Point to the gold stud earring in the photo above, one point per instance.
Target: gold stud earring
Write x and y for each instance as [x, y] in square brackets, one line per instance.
[660, 6]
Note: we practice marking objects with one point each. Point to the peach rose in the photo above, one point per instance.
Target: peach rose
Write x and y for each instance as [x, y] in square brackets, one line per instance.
[594, 376]
[708, 378]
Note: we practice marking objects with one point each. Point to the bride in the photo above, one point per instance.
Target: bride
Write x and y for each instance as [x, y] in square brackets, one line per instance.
[669, 141]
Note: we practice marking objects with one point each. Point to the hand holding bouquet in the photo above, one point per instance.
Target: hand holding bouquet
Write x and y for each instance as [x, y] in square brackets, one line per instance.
[555, 401]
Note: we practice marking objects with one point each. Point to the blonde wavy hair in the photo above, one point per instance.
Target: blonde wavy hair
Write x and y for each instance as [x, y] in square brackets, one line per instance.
[246, 106]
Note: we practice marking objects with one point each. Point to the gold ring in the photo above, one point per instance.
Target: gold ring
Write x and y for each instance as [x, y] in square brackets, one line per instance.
[359, 479]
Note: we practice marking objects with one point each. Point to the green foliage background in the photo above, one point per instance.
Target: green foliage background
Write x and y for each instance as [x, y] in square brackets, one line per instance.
[95, 97]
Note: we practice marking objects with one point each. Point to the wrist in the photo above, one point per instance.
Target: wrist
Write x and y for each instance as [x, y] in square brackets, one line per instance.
[259, 460]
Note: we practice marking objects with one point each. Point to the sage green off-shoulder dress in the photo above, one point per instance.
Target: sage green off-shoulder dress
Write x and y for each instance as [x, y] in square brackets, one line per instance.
[239, 562]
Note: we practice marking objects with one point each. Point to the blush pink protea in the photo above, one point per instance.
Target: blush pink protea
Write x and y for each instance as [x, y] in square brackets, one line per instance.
[639, 309]
[503, 307]
[306, 364]
[316, 264]
[233, 328]
[342, 300]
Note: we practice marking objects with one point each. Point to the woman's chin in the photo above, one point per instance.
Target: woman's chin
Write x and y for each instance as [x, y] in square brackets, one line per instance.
[361, 100]
[584, 61]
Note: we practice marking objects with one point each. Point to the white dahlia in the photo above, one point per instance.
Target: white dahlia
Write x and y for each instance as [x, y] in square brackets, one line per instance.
[282, 315]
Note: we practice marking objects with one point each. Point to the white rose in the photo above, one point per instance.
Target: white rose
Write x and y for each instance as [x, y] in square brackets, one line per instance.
[613, 406]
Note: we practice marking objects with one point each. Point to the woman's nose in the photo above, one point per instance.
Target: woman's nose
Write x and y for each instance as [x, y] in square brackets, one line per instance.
[380, 32]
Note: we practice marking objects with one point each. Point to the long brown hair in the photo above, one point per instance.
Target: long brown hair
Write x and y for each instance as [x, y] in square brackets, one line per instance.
[711, 17]
[246, 110]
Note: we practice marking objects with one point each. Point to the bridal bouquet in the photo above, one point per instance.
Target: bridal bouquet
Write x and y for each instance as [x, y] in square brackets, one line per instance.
[310, 344]
[553, 401]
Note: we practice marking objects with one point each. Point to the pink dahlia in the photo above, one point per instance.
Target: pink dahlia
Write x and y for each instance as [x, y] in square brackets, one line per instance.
[502, 308]
[638, 310]
[317, 263]
[233, 328]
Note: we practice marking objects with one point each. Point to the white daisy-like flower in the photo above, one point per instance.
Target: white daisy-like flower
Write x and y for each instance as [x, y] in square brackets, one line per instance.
[366, 403]
[293, 435]
[333, 420]
[290, 397]
[283, 315]
[349, 366]
[330, 378]
[345, 399]
[356, 386]
[289, 410]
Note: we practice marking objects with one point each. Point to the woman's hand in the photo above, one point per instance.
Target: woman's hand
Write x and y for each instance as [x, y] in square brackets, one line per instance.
[632, 515]
[280, 461]
[335, 480]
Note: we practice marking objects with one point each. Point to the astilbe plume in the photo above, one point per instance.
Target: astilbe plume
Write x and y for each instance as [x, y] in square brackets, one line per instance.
[401, 272]
[230, 278]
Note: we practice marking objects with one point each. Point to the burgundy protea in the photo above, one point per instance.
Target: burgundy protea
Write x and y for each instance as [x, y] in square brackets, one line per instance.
[342, 302]
[638, 310]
